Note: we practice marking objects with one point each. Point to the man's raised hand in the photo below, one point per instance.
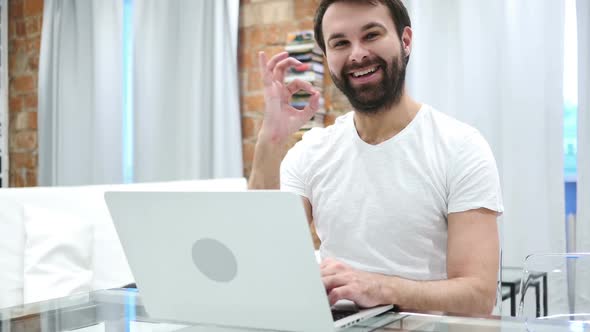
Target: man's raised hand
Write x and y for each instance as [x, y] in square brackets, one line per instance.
[281, 119]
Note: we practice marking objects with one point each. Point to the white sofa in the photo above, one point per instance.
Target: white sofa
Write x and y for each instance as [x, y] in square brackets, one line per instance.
[57, 241]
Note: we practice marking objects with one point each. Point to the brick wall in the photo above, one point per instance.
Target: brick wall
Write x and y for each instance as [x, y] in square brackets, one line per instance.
[264, 25]
[24, 39]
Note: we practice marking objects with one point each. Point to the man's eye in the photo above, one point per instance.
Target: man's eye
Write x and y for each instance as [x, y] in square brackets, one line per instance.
[340, 43]
[371, 36]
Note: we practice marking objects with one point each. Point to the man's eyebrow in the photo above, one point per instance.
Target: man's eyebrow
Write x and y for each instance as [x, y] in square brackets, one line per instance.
[365, 27]
[372, 25]
[335, 36]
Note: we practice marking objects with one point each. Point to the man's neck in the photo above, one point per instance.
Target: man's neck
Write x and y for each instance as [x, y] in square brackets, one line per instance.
[385, 124]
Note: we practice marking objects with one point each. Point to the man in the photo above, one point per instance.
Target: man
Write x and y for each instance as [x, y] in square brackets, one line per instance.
[404, 198]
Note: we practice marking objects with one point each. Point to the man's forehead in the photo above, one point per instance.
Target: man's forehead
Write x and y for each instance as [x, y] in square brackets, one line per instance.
[352, 16]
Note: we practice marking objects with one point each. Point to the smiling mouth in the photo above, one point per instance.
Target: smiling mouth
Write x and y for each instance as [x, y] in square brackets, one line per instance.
[365, 72]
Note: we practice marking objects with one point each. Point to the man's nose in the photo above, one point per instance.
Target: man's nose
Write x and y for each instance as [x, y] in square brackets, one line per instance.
[358, 54]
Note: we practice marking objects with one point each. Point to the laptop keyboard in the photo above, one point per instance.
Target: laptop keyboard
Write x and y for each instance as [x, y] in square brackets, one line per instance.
[339, 314]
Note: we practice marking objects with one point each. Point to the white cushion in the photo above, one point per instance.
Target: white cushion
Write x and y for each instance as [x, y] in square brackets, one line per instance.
[64, 205]
[57, 259]
[12, 244]
[109, 262]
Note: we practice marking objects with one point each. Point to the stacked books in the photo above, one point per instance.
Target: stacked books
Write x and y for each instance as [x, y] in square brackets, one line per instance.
[301, 45]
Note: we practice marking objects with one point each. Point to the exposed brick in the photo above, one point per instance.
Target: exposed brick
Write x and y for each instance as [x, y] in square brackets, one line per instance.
[34, 45]
[23, 177]
[305, 8]
[18, 46]
[272, 50]
[244, 60]
[31, 178]
[305, 24]
[33, 64]
[243, 82]
[254, 103]
[255, 36]
[30, 101]
[254, 80]
[32, 7]
[277, 34]
[23, 160]
[250, 127]
[23, 84]
[15, 8]
[15, 104]
[25, 120]
[276, 11]
[248, 152]
[24, 140]
[21, 32]
[11, 31]
[32, 26]
[16, 180]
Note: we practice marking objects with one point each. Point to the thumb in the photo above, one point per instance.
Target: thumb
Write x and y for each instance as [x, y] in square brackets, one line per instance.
[312, 107]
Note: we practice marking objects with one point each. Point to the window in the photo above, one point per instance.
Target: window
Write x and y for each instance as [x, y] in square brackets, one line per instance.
[570, 96]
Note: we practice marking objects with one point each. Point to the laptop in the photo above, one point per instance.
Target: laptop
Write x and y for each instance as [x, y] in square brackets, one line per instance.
[226, 258]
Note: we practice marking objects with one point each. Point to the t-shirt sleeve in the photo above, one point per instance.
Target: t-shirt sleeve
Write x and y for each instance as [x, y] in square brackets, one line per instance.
[292, 172]
[473, 178]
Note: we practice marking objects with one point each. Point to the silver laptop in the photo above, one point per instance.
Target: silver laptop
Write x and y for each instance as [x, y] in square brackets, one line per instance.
[226, 258]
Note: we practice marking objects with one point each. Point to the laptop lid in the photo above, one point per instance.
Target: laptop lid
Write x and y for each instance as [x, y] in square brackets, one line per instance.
[229, 258]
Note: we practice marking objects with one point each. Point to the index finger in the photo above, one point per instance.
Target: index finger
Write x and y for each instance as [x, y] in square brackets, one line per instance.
[267, 66]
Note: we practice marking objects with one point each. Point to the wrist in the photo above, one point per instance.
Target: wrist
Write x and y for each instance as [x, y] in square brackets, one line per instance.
[387, 289]
[273, 138]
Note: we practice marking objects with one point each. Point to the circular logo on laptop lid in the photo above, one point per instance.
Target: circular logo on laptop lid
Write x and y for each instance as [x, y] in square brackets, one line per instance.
[215, 260]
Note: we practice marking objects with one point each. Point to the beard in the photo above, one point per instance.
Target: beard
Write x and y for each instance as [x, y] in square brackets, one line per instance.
[373, 98]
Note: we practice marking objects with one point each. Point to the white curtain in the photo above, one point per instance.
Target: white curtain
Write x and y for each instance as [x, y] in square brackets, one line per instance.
[583, 204]
[80, 93]
[186, 90]
[497, 65]
[489, 64]
[186, 112]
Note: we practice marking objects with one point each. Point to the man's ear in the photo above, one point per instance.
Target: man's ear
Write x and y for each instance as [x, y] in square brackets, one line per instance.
[407, 40]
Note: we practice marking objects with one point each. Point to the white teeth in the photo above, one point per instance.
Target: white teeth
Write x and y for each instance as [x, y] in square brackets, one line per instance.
[365, 72]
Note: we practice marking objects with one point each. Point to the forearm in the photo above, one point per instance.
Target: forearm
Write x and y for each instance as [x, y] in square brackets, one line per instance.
[457, 295]
[268, 155]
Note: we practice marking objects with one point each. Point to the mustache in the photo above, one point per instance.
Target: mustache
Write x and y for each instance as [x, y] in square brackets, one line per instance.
[365, 63]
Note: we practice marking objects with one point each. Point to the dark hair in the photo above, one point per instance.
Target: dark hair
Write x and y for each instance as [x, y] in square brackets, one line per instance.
[398, 12]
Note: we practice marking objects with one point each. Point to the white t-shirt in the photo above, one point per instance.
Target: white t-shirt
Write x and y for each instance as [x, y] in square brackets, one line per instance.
[383, 208]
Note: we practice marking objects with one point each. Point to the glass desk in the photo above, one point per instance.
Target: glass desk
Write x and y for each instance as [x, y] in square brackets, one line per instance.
[122, 310]
[511, 278]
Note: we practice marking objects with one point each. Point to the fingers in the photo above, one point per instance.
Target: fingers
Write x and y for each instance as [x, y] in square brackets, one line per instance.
[262, 62]
[281, 68]
[334, 281]
[331, 266]
[298, 84]
[313, 106]
[267, 66]
[274, 60]
[275, 68]
[340, 293]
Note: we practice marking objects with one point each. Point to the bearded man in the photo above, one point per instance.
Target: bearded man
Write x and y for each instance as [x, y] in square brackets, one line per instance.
[403, 197]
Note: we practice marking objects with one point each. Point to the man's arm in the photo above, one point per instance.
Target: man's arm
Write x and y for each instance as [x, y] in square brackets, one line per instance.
[281, 120]
[266, 164]
[472, 269]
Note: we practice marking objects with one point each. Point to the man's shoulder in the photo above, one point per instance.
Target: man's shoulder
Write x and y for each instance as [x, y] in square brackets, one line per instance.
[447, 128]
